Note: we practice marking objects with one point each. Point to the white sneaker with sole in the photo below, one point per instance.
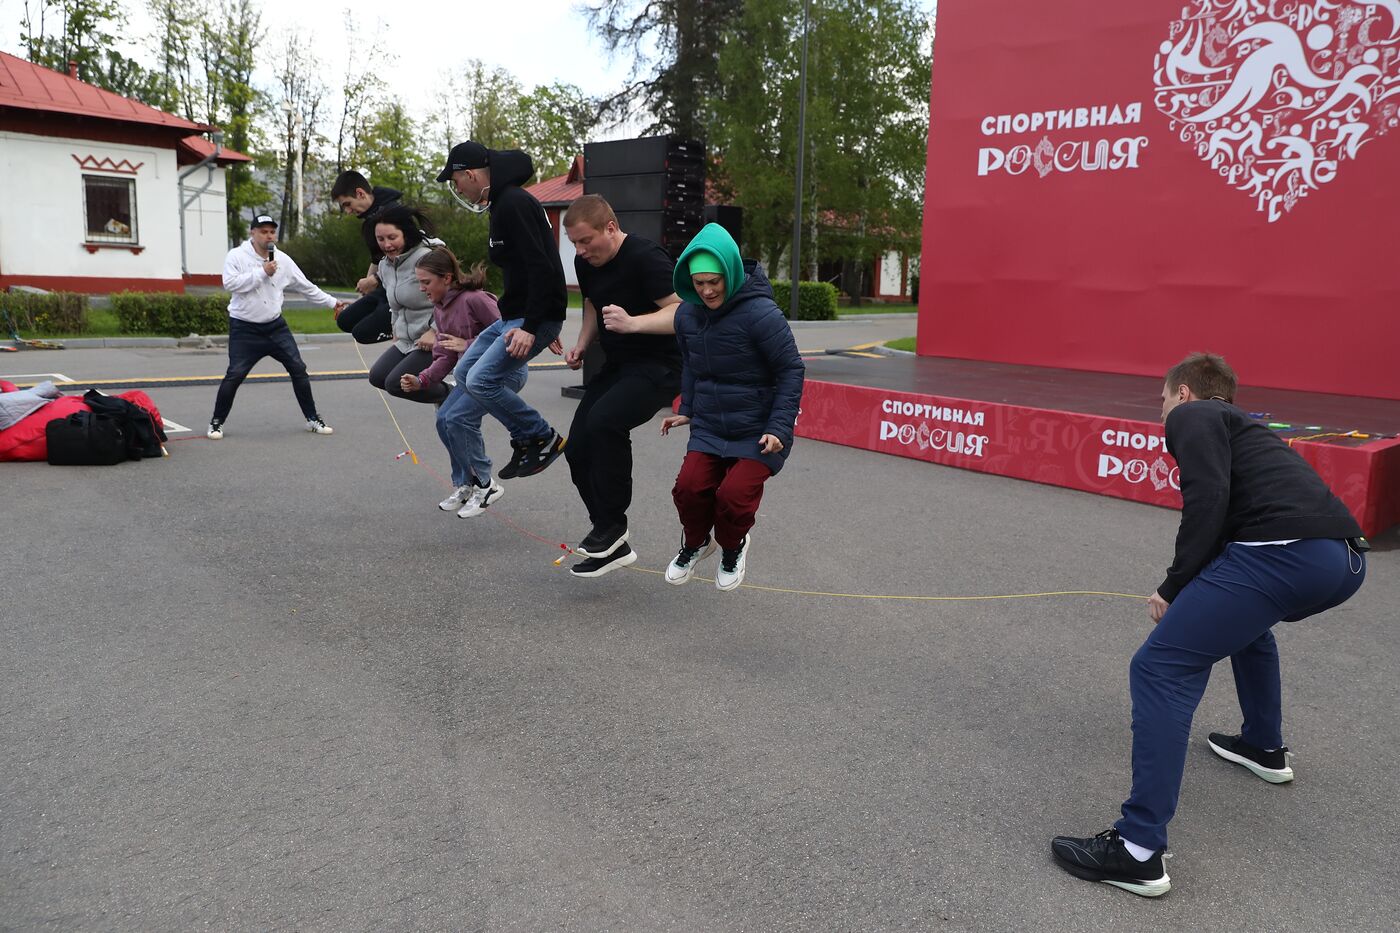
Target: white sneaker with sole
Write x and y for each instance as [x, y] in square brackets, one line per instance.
[458, 498]
[731, 566]
[317, 426]
[682, 566]
[480, 498]
[216, 430]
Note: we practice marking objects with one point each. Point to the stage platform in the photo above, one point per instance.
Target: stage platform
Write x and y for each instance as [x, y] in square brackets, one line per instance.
[1097, 432]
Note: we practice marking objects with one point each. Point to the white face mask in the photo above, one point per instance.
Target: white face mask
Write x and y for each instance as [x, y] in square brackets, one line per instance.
[480, 207]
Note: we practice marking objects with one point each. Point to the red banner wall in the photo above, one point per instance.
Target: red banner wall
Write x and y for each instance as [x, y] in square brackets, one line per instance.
[1113, 185]
[1108, 456]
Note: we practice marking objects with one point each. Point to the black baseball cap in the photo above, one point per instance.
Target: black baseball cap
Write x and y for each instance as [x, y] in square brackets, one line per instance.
[262, 220]
[464, 156]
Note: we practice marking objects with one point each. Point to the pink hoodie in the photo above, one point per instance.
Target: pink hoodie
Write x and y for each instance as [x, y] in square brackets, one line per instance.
[463, 313]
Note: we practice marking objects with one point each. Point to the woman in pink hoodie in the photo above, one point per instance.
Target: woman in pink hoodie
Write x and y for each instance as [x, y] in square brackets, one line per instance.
[461, 310]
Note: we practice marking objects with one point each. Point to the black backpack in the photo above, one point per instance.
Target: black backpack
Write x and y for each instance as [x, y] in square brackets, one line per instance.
[143, 434]
[86, 438]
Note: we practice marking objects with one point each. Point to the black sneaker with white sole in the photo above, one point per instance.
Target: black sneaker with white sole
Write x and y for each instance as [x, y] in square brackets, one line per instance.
[1104, 858]
[602, 541]
[621, 556]
[512, 469]
[536, 455]
[1271, 766]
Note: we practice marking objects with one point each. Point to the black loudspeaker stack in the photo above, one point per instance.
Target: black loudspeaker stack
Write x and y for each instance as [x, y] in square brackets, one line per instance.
[655, 184]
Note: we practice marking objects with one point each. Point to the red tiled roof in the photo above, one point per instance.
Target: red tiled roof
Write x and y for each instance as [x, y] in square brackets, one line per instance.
[197, 148]
[561, 190]
[27, 86]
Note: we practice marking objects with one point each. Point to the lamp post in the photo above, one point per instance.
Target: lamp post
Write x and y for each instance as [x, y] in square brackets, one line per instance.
[801, 150]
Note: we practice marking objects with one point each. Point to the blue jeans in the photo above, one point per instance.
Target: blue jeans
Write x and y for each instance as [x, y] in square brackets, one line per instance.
[1227, 611]
[487, 373]
[459, 426]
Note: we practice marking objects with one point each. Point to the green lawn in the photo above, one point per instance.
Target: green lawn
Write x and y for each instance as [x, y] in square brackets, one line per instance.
[872, 307]
[903, 343]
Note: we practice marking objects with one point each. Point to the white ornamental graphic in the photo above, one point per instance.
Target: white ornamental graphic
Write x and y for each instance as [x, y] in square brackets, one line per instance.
[1275, 95]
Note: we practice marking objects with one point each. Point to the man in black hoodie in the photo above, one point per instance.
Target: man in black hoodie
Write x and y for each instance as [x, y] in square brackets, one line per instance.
[367, 319]
[1262, 540]
[532, 302]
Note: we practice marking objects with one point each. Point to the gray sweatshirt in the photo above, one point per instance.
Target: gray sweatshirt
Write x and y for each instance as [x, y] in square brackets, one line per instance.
[411, 310]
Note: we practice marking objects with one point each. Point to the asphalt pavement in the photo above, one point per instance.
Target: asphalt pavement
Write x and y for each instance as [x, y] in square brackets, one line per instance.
[265, 684]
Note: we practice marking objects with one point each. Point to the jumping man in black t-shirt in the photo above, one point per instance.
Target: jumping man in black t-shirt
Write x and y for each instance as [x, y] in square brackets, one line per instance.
[629, 304]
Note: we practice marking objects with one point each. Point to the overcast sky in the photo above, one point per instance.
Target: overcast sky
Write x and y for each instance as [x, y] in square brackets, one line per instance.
[538, 41]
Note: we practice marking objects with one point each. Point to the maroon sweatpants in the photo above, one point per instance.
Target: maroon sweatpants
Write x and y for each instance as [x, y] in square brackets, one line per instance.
[719, 493]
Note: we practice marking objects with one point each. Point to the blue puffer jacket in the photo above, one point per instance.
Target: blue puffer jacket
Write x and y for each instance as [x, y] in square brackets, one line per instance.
[743, 376]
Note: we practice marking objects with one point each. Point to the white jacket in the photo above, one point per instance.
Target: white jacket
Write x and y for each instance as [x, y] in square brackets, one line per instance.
[254, 295]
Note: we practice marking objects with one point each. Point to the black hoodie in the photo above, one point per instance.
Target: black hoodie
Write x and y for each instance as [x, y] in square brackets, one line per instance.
[384, 198]
[522, 245]
[1240, 482]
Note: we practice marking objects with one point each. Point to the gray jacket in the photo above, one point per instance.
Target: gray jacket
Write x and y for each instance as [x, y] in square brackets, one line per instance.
[411, 310]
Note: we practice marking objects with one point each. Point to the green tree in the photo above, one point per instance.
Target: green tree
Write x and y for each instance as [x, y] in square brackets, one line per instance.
[551, 123]
[679, 41]
[866, 127]
[232, 52]
[56, 32]
[392, 153]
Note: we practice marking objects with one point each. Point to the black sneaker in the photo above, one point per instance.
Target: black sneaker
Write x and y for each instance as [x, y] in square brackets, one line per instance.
[601, 542]
[1271, 766]
[622, 556]
[536, 455]
[1105, 858]
[512, 470]
[682, 567]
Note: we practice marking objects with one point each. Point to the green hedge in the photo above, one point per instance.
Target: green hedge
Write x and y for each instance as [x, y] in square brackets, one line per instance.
[816, 301]
[330, 249]
[51, 313]
[172, 314]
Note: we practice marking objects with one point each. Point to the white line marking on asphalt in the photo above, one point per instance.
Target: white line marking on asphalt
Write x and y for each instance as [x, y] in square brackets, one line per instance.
[55, 377]
[173, 428]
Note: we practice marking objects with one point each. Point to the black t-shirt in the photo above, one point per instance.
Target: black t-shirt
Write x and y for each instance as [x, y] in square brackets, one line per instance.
[634, 280]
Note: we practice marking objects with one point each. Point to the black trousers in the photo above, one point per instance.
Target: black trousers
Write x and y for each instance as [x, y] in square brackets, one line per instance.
[599, 450]
[393, 364]
[367, 317]
[247, 344]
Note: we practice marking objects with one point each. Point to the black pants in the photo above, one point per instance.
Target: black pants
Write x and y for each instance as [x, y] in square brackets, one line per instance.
[394, 364]
[247, 344]
[599, 449]
[367, 317]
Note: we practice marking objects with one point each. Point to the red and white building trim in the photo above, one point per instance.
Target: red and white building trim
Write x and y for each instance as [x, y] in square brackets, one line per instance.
[90, 183]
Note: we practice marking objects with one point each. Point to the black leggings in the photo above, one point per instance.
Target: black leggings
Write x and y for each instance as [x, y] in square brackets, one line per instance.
[394, 364]
[367, 318]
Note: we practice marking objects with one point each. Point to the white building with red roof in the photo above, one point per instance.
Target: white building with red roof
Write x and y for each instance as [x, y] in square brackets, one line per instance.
[555, 195]
[102, 193]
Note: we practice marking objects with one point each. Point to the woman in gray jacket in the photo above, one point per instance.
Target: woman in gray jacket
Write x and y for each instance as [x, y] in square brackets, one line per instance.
[404, 235]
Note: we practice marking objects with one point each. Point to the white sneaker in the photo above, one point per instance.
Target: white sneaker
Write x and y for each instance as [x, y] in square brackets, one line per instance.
[216, 430]
[317, 426]
[731, 566]
[479, 498]
[459, 497]
[682, 566]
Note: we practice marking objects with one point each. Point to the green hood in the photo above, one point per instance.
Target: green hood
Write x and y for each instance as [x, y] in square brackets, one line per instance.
[715, 240]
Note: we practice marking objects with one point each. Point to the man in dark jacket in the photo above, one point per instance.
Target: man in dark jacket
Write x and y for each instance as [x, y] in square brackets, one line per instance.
[532, 302]
[367, 319]
[1262, 540]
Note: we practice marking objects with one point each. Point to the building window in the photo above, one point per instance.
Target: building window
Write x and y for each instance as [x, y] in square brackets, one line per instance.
[109, 206]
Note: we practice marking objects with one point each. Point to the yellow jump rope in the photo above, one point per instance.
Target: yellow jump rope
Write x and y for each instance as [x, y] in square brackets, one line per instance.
[412, 455]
